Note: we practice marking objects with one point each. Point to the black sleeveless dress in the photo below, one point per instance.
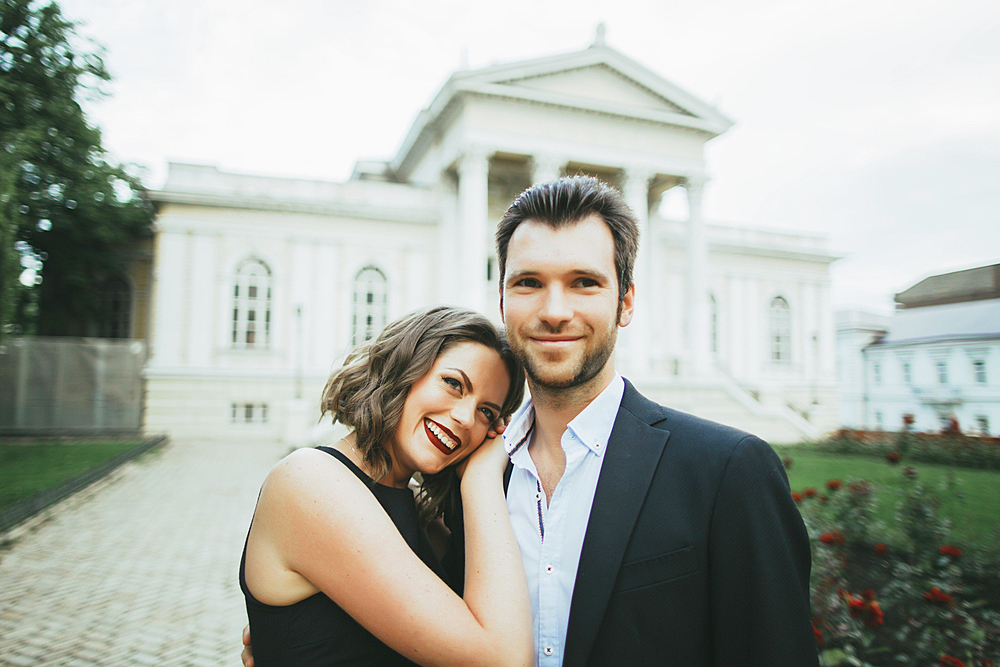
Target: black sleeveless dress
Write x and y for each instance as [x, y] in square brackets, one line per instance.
[316, 631]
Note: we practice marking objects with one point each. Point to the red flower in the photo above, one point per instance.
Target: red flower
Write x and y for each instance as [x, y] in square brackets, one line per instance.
[855, 606]
[861, 488]
[787, 461]
[936, 596]
[832, 537]
[809, 492]
[910, 472]
[818, 634]
[834, 484]
[949, 550]
[874, 616]
[796, 496]
[949, 661]
[865, 607]
[881, 549]
[892, 457]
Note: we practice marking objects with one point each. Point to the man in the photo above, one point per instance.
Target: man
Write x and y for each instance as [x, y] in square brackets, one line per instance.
[649, 536]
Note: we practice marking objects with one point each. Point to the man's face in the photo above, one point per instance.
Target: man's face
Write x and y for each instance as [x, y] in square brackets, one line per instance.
[559, 302]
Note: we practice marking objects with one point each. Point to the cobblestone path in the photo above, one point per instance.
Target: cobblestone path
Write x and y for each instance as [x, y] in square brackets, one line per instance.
[140, 571]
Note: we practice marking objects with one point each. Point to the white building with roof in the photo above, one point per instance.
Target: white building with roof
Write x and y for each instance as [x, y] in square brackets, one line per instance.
[261, 285]
[936, 358]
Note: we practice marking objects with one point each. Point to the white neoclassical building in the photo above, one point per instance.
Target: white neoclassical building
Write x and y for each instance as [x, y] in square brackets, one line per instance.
[936, 358]
[261, 285]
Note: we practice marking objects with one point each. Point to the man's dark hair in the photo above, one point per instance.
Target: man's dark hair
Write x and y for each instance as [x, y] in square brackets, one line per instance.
[566, 201]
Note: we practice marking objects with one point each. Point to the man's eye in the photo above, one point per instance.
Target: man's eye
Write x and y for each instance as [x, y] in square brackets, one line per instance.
[527, 282]
[588, 282]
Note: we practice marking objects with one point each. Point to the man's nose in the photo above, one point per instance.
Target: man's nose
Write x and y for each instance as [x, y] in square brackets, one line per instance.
[555, 307]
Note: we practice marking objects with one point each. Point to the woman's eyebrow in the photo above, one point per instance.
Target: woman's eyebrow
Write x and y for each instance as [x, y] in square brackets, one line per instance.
[468, 385]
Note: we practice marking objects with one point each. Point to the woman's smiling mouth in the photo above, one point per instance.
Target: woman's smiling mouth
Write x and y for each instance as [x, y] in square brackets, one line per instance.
[440, 436]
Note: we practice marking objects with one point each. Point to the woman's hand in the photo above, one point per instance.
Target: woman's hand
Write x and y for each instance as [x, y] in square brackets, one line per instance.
[490, 459]
[498, 427]
[494, 440]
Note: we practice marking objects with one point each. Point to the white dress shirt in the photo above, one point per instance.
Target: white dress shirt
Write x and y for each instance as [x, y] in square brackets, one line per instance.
[551, 537]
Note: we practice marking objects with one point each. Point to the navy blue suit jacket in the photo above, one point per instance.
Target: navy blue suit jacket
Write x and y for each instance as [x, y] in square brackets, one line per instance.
[695, 553]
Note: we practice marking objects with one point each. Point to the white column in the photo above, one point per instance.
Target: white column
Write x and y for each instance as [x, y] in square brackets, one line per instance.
[697, 315]
[473, 183]
[638, 339]
[449, 243]
[546, 168]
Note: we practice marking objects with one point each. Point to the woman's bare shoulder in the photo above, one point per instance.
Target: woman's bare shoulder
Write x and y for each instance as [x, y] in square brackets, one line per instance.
[307, 477]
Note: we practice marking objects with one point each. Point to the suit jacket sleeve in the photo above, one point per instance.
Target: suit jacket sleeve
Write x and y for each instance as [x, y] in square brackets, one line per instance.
[759, 562]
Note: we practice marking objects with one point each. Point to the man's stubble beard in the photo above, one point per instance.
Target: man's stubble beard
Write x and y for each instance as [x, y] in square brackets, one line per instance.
[591, 365]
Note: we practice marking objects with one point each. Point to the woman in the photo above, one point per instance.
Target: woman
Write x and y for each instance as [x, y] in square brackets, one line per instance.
[336, 569]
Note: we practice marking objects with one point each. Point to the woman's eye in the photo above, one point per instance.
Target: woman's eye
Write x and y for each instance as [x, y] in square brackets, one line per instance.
[453, 383]
[489, 414]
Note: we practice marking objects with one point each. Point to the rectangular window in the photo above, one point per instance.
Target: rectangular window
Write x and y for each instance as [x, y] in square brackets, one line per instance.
[878, 421]
[907, 376]
[942, 372]
[248, 413]
[983, 425]
[979, 371]
[878, 373]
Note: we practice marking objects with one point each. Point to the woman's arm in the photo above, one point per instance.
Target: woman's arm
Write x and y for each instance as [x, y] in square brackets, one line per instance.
[318, 528]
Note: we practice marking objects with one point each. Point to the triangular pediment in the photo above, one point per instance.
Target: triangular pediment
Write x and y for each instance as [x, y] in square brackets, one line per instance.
[596, 80]
[597, 83]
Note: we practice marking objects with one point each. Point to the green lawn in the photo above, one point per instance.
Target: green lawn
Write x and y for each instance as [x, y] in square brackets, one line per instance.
[970, 498]
[26, 469]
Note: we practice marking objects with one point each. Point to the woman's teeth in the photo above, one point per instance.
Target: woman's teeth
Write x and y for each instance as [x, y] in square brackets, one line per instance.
[441, 435]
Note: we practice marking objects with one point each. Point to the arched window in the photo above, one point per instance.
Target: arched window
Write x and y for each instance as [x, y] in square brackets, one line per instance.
[781, 331]
[116, 309]
[370, 304]
[252, 305]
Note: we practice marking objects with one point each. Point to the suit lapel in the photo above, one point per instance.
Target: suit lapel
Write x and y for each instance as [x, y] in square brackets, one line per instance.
[631, 458]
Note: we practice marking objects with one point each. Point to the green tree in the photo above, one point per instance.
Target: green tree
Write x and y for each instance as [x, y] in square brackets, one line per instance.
[65, 210]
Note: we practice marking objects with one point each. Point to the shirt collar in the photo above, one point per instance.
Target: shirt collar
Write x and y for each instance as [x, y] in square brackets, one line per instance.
[592, 426]
[517, 433]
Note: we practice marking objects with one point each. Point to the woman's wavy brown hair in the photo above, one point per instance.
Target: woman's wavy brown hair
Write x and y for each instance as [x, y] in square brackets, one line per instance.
[367, 393]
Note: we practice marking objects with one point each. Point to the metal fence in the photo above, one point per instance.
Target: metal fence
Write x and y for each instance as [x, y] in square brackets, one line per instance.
[70, 385]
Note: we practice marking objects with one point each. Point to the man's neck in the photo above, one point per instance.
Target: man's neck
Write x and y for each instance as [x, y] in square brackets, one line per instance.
[556, 407]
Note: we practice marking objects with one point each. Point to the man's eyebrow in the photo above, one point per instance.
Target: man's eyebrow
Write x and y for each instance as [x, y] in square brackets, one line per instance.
[468, 385]
[515, 275]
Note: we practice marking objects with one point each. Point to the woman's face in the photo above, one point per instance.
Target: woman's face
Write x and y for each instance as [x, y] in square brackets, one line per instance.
[448, 411]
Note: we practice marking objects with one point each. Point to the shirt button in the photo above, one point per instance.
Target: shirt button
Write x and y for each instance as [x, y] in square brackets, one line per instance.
[547, 650]
[538, 496]
[548, 569]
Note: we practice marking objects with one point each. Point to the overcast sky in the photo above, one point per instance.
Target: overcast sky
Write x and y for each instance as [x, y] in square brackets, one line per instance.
[875, 122]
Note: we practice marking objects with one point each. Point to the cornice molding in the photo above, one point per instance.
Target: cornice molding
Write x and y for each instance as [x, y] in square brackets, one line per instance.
[364, 211]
